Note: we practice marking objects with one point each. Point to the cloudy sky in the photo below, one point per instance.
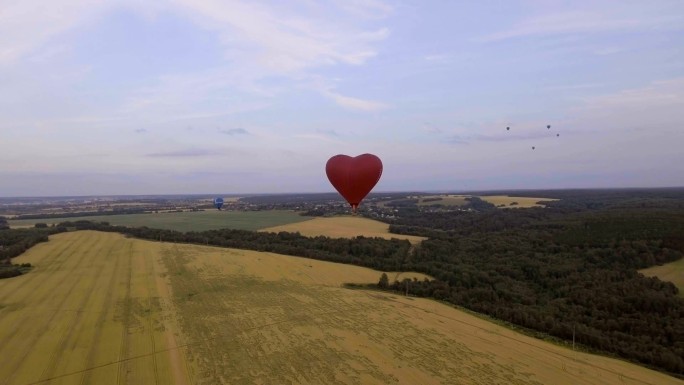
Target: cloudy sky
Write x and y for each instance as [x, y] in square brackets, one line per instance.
[211, 96]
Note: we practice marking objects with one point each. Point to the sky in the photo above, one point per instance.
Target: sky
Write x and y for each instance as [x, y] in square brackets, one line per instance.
[209, 96]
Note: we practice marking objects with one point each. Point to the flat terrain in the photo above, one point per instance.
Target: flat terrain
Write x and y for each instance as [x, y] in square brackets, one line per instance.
[186, 221]
[523, 202]
[342, 227]
[672, 272]
[460, 200]
[97, 309]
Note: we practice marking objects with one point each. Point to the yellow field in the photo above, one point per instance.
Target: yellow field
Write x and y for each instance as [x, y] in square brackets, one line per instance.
[672, 272]
[94, 301]
[523, 202]
[342, 227]
[100, 301]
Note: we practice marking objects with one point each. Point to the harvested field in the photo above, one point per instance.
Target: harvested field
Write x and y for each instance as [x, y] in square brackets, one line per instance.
[101, 301]
[342, 227]
[672, 272]
[523, 202]
[264, 318]
[95, 310]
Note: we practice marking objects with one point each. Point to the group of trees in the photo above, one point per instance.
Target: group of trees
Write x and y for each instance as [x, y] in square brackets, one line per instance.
[13, 242]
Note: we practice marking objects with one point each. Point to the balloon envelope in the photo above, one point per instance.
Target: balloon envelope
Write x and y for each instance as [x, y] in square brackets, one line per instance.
[218, 202]
[354, 177]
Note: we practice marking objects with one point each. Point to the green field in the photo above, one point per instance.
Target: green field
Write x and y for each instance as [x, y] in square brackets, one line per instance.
[187, 221]
[445, 200]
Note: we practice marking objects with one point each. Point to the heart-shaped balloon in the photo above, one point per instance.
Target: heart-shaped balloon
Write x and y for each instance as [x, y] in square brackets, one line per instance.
[355, 177]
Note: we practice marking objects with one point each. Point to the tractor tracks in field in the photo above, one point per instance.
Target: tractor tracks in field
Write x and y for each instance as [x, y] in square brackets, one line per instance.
[188, 344]
[78, 317]
[106, 309]
[28, 278]
[150, 287]
[35, 335]
[621, 376]
[126, 323]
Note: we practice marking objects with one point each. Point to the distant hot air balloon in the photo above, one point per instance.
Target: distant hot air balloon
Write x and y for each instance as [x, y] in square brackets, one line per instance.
[218, 202]
[548, 126]
[354, 177]
[557, 134]
[533, 147]
[508, 128]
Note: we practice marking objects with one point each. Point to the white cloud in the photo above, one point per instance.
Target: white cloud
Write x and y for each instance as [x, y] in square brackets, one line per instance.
[357, 104]
[279, 39]
[265, 42]
[365, 8]
[260, 41]
[573, 22]
[656, 105]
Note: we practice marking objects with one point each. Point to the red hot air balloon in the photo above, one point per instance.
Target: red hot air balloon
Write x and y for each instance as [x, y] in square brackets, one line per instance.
[355, 177]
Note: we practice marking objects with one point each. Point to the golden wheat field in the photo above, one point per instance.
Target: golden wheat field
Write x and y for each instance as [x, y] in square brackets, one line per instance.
[672, 272]
[94, 310]
[523, 202]
[342, 227]
[99, 308]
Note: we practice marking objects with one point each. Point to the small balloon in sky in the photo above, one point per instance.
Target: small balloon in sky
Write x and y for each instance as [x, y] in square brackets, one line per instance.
[218, 202]
[508, 128]
[548, 126]
[533, 147]
[354, 177]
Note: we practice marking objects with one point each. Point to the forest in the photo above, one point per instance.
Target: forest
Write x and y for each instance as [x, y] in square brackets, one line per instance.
[569, 269]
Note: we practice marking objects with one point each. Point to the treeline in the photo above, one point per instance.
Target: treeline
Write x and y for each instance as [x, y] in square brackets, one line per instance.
[375, 253]
[115, 211]
[473, 203]
[14, 242]
[312, 198]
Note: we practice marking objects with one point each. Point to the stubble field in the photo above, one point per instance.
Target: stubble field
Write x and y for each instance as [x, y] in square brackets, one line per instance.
[103, 309]
[523, 202]
[94, 310]
[342, 227]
